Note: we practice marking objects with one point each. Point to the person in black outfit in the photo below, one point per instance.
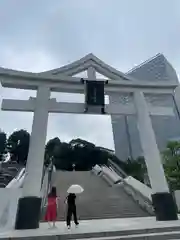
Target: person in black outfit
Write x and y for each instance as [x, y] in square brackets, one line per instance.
[71, 209]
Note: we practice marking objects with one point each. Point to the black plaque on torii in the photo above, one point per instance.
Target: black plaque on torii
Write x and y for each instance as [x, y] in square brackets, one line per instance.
[94, 94]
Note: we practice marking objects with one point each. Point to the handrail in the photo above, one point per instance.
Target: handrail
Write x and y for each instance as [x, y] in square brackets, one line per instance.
[137, 190]
[141, 197]
[20, 174]
[17, 181]
[139, 187]
[46, 185]
[117, 169]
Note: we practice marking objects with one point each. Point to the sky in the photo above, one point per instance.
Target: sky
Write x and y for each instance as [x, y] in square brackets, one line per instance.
[39, 35]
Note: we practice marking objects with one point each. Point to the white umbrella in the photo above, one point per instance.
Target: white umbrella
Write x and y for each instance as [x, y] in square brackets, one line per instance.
[76, 189]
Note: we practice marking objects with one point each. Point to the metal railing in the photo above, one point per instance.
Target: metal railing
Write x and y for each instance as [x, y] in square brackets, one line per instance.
[117, 169]
[45, 188]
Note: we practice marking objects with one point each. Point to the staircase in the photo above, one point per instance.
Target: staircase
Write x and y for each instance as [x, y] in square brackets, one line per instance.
[8, 171]
[99, 200]
[108, 214]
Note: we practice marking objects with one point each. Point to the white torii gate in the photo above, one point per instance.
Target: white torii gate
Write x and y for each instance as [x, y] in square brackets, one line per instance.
[29, 204]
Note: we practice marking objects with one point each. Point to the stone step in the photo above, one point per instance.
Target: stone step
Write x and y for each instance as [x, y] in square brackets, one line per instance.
[99, 200]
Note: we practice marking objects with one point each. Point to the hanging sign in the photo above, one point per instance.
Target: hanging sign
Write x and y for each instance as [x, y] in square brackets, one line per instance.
[94, 96]
[94, 91]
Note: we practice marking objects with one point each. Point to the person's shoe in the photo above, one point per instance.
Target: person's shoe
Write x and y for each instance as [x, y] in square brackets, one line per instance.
[49, 226]
[77, 224]
[68, 227]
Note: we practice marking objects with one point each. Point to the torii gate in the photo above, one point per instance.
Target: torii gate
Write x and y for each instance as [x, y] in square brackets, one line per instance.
[61, 80]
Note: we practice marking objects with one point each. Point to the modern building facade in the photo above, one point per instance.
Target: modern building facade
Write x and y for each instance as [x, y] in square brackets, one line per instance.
[126, 139]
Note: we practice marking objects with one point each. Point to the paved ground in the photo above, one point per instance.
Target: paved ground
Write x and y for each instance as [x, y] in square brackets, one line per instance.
[102, 229]
[99, 200]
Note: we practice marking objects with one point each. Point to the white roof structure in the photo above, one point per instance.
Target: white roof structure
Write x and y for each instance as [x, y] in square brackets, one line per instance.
[84, 63]
[156, 68]
[155, 73]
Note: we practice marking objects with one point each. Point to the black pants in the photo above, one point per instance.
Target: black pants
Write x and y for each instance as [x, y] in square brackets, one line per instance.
[71, 211]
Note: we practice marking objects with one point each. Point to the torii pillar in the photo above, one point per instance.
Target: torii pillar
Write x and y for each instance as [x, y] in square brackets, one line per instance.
[162, 199]
[29, 205]
[163, 202]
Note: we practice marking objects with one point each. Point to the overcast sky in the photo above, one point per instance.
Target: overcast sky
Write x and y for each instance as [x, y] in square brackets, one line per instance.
[38, 35]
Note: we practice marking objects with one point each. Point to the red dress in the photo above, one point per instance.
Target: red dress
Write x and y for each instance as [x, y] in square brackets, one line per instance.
[51, 212]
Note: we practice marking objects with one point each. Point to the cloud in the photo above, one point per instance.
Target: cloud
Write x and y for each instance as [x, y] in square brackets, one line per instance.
[42, 35]
[65, 126]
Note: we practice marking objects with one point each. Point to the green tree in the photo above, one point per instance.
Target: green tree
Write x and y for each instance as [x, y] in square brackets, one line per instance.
[81, 142]
[171, 162]
[51, 149]
[135, 169]
[132, 167]
[63, 158]
[79, 153]
[2, 145]
[18, 146]
[86, 155]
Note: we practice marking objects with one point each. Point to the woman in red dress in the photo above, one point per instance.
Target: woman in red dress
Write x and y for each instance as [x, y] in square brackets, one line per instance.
[51, 211]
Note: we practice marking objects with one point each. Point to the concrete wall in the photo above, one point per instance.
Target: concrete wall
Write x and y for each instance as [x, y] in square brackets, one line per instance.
[8, 207]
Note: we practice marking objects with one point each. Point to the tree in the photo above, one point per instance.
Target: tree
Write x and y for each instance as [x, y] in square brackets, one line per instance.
[2, 144]
[63, 158]
[18, 146]
[171, 162]
[132, 167]
[81, 142]
[83, 157]
[79, 153]
[100, 156]
[51, 149]
[135, 169]
[86, 155]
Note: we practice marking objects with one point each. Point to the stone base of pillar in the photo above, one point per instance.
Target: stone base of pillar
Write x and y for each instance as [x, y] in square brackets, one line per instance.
[164, 207]
[28, 213]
